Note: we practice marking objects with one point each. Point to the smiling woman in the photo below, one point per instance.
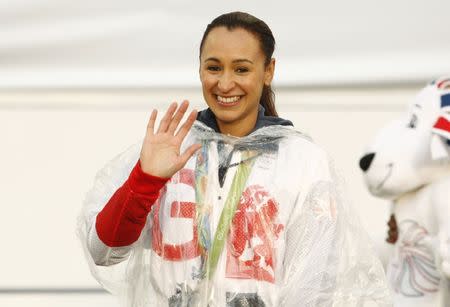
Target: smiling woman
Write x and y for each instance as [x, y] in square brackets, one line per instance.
[234, 70]
[233, 206]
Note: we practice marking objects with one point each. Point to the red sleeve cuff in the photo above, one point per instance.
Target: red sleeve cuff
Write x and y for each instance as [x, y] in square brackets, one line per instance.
[145, 184]
[121, 221]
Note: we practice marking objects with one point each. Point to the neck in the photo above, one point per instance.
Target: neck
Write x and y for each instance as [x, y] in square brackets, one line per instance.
[239, 128]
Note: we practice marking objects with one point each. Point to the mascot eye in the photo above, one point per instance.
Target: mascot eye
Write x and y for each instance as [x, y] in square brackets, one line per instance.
[413, 122]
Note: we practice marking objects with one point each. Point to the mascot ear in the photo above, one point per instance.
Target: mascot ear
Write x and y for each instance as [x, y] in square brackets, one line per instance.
[440, 141]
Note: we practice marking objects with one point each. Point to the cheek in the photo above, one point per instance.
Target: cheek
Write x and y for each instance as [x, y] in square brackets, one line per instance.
[253, 86]
[257, 81]
[207, 82]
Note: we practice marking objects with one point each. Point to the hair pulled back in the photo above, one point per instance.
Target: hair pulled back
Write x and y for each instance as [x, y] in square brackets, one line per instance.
[265, 37]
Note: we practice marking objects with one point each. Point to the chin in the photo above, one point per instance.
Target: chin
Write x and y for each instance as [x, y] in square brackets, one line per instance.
[226, 116]
[226, 113]
[384, 193]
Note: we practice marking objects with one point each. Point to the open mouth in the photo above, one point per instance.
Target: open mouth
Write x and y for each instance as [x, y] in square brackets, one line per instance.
[228, 101]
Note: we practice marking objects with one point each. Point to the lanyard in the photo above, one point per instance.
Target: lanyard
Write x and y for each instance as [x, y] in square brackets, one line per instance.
[211, 251]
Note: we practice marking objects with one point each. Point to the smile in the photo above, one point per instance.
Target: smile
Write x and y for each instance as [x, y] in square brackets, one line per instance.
[228, 101]
[389, 173]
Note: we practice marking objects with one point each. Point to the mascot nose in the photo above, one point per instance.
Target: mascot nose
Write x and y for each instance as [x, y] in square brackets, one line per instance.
[366, 160]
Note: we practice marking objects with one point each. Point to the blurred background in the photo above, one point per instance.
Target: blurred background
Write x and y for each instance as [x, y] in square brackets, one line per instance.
[78, 80]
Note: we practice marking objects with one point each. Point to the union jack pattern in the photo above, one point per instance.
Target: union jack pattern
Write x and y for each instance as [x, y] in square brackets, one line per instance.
[443, 84]
[413, 271]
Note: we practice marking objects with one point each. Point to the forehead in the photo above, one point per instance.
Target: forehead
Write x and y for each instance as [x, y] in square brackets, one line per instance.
[225, 44]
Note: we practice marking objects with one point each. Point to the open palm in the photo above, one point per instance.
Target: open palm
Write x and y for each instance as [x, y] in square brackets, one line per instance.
[160, 154]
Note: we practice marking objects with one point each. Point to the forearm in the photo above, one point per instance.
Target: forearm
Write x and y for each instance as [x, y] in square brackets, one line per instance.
[103, 254]
[121, 221]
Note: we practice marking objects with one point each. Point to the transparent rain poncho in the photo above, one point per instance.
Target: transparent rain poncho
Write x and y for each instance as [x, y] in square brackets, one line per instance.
[253, 221]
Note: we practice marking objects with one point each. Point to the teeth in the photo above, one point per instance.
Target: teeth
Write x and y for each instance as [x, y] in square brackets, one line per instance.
[228, 99]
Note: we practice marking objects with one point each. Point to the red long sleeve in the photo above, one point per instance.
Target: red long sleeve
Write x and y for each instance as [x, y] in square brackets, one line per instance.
[121, 221]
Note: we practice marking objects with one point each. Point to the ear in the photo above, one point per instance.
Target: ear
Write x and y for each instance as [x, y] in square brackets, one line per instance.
[269, 72]
[440, 141]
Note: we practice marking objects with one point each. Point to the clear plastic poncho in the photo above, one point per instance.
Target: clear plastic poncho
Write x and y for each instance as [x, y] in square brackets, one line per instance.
[253, 221]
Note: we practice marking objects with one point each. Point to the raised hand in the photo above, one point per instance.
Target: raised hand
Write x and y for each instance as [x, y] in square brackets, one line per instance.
[160, 153]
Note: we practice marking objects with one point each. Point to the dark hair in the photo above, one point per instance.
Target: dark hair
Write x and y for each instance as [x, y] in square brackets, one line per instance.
[263, 33]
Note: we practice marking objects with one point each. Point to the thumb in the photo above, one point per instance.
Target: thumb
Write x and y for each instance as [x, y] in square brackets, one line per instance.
[189, 152]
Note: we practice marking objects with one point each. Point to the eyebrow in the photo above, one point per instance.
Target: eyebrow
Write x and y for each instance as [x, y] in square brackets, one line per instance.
[234, 61]
[418, 106]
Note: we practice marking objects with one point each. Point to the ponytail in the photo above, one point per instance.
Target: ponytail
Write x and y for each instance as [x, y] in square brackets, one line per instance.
[268, 101]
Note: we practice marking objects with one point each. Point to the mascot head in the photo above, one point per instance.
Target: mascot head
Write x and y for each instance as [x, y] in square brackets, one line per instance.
[414, 150]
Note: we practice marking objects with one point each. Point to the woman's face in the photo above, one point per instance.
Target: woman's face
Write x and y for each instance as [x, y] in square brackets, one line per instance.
[233, 73]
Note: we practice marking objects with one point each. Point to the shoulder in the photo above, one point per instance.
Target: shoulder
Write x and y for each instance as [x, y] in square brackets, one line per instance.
[301, 147]
[303, 159]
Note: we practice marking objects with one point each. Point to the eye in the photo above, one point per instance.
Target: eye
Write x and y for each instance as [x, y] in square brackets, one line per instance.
[242, 70]
[413, 122]
[213, 68]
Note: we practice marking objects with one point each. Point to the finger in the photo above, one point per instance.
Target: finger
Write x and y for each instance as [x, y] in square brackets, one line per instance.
[165, 121]
[189, 152]
[178, 116]
[181, 134]
[151, 122]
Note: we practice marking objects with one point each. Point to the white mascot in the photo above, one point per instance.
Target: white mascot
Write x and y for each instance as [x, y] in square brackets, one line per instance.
[409, 163]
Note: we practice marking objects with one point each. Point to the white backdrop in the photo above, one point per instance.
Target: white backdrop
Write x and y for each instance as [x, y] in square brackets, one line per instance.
[62, 43]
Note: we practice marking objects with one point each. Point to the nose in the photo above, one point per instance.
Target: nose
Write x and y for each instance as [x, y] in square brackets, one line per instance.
[366, 160]
[226, 83]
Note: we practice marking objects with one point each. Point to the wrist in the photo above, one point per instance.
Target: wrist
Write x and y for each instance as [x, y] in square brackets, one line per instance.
[143, 183]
